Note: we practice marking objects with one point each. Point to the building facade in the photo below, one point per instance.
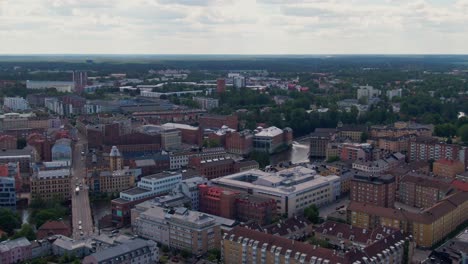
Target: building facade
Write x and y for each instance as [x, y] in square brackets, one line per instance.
[51, 184]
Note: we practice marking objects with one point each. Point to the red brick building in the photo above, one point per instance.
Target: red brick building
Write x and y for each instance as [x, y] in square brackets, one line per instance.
[422, 191]
[190, 134]
[217, 201]
[177, 116]
[217, 121]
[50, 228]
[356, 151]
[370, 189]
[215, 168]
[7, 142]
[42, 145]
[220, 85]
[240, 143]
[427, 148]
[253, 208]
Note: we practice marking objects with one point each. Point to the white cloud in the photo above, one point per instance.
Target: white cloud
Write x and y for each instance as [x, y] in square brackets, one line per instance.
[233, 26]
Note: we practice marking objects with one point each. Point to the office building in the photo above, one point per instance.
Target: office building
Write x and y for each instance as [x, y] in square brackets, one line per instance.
[190, 134]
[215, 168]
[7, 193]
[373, 189]
[64, 87]
[293, 189]
[23, 156]
[217, 201]
[181, 228]
[15, 104]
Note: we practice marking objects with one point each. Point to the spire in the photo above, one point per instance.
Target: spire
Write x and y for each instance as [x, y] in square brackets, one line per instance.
[115, 152]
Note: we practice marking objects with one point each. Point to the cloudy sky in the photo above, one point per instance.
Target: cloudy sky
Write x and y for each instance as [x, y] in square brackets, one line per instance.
[233, 26]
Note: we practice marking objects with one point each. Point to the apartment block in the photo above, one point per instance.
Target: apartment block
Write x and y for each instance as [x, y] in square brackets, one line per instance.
[448, 168]
[422, 191]
[243, 245]
[15, 251]
[427, 227]
[135, 251]
[373, 189]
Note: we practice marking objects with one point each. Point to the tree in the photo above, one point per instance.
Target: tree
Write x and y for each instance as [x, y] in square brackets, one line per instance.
[25, 231]
[333, 159]
[21, 143]
[312, 213]
[262, 158]
[214, 255]
[9, 220]
[364, 137]
[463, 133]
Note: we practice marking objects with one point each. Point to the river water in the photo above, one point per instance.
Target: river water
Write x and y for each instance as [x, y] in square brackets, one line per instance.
[298, 153]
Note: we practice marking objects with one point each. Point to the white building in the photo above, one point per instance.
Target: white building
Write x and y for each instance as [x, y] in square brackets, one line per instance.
[15, 103]
[293, 189]
[60, 86]
[394, 93]
[368, 92]
[151, 185]
[206, 103]
[238, 81]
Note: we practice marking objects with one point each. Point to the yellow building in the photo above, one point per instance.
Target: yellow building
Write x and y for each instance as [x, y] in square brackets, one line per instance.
[427, 227]
[243, 245]
[51, 184]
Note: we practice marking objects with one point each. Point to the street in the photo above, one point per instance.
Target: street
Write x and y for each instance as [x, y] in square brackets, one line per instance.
[330, 209]
[81, 211]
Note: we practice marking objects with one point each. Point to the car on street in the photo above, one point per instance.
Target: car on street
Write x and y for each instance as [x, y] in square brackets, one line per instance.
[79, 222]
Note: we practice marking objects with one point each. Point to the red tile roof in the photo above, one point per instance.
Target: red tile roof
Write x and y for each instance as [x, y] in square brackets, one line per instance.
[460, 185]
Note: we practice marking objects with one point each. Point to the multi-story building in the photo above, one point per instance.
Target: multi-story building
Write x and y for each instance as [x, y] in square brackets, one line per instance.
[271, 139]
[66, 87]
[8, 142]
[427, 227]
[368, 92]
[319, 141]
[190, 134]
[425, 149]
[7, 193]
[254, 208]
[220, 85]
[240, 143]
[293, 189]
[135, 251]
[422, 191]
[23, 156]
[401, 129]
[216, 168]
[217, 201]
[12, 170]
[62, 150]
[80, 80]
[181, 228]
[371, 189]
[181, 159]
[394, 144]
[448, 168]
[393, 93]
[51, 184]
[15, 251]
[149, 187]
[206, 103]
[243, 245]
[15, 103]
[356, 151]
[218, 121]
[380, 165]
[238, 82]
[112, 181]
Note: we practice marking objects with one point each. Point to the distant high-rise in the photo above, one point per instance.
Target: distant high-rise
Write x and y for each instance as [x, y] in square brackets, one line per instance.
[80, 80]
[238, 82]
[221, 85]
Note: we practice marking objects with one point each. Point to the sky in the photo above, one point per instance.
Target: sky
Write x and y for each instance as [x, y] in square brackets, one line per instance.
[233, 26]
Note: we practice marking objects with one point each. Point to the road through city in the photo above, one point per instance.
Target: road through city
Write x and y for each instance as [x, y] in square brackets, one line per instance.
[81, 211]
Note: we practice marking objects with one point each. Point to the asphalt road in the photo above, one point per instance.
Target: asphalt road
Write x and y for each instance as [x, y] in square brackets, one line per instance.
[81, 211]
